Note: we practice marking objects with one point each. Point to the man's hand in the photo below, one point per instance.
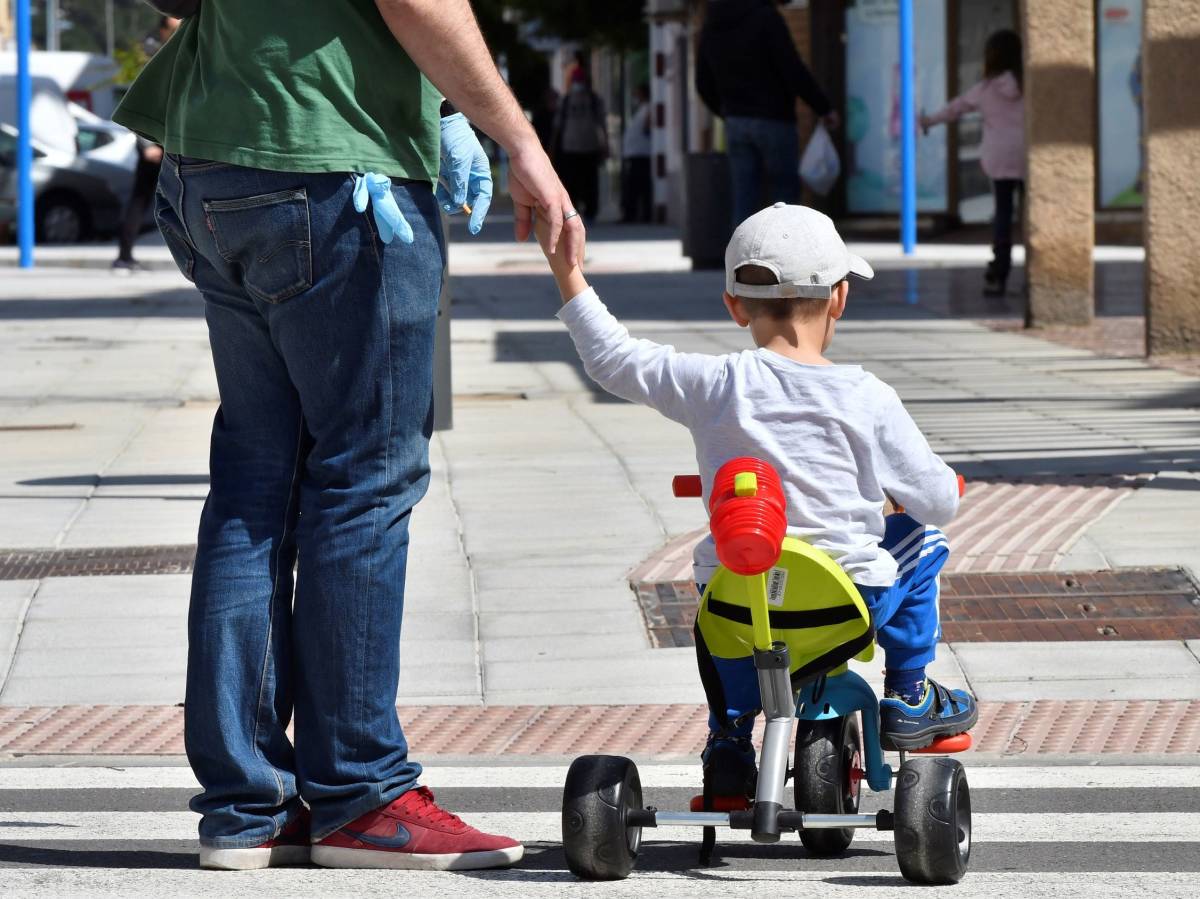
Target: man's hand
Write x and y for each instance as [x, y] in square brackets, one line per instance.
[444, 40]
[535, 188]
[466, 175]
[153, 153]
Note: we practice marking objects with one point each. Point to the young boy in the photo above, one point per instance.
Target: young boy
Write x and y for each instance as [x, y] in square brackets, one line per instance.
[840, 439]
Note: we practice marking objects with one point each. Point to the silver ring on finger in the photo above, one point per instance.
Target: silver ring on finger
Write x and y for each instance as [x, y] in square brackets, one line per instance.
[570, 215]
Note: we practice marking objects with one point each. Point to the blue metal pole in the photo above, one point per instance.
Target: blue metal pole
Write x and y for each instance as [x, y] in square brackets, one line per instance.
[908, 133]
[24, 140]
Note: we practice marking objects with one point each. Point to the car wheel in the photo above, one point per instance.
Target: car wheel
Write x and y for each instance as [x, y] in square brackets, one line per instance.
[61, 218]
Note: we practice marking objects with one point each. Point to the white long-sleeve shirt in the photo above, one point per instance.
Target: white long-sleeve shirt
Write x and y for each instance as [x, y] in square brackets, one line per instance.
[838, 436]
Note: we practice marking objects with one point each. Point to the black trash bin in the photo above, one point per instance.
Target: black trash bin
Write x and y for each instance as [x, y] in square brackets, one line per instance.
[707, 223]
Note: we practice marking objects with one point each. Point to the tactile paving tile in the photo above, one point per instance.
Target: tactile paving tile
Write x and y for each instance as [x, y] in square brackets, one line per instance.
[982, 607]
[646, 731]
[1011, 524]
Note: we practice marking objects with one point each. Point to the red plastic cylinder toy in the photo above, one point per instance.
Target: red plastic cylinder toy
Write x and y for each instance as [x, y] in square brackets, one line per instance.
[748, 530]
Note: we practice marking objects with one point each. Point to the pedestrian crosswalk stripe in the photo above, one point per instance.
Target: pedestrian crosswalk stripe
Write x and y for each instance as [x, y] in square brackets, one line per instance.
[786, 880]
[541, 827]
[652, 775]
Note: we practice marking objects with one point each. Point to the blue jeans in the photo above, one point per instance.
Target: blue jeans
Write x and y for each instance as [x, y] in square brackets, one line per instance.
[758, 148]
[322, 340]
[905, 616]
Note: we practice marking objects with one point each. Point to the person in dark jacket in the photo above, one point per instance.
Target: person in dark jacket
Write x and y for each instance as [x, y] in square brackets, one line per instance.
[749, 73]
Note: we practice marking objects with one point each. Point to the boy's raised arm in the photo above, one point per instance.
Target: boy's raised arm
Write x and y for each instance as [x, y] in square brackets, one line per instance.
[641, 371]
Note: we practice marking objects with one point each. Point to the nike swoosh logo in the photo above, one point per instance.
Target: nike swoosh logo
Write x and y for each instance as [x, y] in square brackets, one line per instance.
[399, 841]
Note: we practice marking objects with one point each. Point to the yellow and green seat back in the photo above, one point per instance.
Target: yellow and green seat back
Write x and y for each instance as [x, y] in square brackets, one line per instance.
[814, 608]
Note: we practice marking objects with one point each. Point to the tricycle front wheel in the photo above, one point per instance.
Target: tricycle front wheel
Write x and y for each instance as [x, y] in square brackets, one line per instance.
[600, 793]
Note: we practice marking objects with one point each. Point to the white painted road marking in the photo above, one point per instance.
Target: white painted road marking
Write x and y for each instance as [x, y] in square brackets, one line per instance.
[652, 775]
[723, 882]
[546, 827]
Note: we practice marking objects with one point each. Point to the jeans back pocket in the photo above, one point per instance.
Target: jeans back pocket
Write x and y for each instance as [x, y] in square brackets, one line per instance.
[267, 237]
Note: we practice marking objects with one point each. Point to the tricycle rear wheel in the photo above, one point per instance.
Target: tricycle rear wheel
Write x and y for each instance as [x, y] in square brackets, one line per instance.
[601, 791]
[828, 771]
[933, 820]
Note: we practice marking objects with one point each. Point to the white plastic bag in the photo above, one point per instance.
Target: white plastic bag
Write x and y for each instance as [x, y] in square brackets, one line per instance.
[820, 166]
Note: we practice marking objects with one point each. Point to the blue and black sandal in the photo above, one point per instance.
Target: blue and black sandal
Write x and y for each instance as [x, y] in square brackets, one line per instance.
[940, 713]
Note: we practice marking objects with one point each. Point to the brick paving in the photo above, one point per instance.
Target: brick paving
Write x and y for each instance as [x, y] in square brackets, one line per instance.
[1040, 727]
[1003, 524]
[1125, 604]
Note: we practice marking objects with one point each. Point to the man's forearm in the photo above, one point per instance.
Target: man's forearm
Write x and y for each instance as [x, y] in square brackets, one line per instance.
[444, 40]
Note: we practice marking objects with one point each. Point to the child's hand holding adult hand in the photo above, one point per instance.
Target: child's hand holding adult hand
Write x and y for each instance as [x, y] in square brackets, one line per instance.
[567, 274]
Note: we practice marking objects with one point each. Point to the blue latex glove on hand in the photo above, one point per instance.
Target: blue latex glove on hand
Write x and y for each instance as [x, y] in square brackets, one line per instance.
[388, 219]
[466, 175]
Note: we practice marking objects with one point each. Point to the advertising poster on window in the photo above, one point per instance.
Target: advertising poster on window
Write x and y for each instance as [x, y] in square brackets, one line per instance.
[1119, 50]
[873, 104]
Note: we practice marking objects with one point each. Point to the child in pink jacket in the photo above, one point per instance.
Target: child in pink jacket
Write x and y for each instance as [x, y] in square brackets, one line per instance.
[998, 98]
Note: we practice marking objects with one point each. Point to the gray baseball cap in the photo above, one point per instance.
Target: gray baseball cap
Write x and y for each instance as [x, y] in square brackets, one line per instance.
[800, 245]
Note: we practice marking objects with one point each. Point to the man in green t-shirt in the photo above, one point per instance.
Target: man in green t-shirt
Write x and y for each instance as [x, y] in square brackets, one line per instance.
[302, 142]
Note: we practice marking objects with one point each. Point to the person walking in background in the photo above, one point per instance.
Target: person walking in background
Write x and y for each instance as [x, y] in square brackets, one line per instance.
[543, 118]
[749, 73]
[998, 97]
[581, 142]
[297, 192]
[145, 175]
[636, 186]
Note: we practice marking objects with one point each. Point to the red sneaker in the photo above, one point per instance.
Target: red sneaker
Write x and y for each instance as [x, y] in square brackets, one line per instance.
[413, 832]
[291, 847]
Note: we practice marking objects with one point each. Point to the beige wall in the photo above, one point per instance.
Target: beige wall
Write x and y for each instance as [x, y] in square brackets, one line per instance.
[1170, 61]
[1060, 134]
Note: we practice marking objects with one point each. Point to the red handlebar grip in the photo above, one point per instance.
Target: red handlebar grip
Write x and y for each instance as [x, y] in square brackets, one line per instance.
[962, 486]
[687, 485]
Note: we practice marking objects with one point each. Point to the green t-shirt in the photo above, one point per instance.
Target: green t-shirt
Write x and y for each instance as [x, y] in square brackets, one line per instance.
[318, 86]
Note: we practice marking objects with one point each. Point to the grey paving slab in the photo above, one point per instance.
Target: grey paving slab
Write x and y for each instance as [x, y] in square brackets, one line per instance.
[438, 626]
[1156, 525]
[27, 522]
[602, 595]
[136, 521]
[124, 689]
[99, 661]
[653, 676]
[596, 648]
[14, 599]
[131, 635]
[554, 625]
[112, 598]
[1118, 670]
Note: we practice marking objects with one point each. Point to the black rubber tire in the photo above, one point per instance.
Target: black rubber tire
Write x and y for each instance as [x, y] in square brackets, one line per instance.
[600, 792]
[825, 752]
[933, 820]
[61, 217]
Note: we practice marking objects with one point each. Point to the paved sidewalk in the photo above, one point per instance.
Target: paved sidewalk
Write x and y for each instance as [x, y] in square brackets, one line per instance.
[546, 494]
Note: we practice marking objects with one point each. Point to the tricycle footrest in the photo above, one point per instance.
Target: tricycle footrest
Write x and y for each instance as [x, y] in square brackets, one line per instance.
[946, 745]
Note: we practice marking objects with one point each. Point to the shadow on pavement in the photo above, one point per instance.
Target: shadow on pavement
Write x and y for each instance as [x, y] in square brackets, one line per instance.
[176, 303]
[690, 296]
[131, 480]
[74, 856]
